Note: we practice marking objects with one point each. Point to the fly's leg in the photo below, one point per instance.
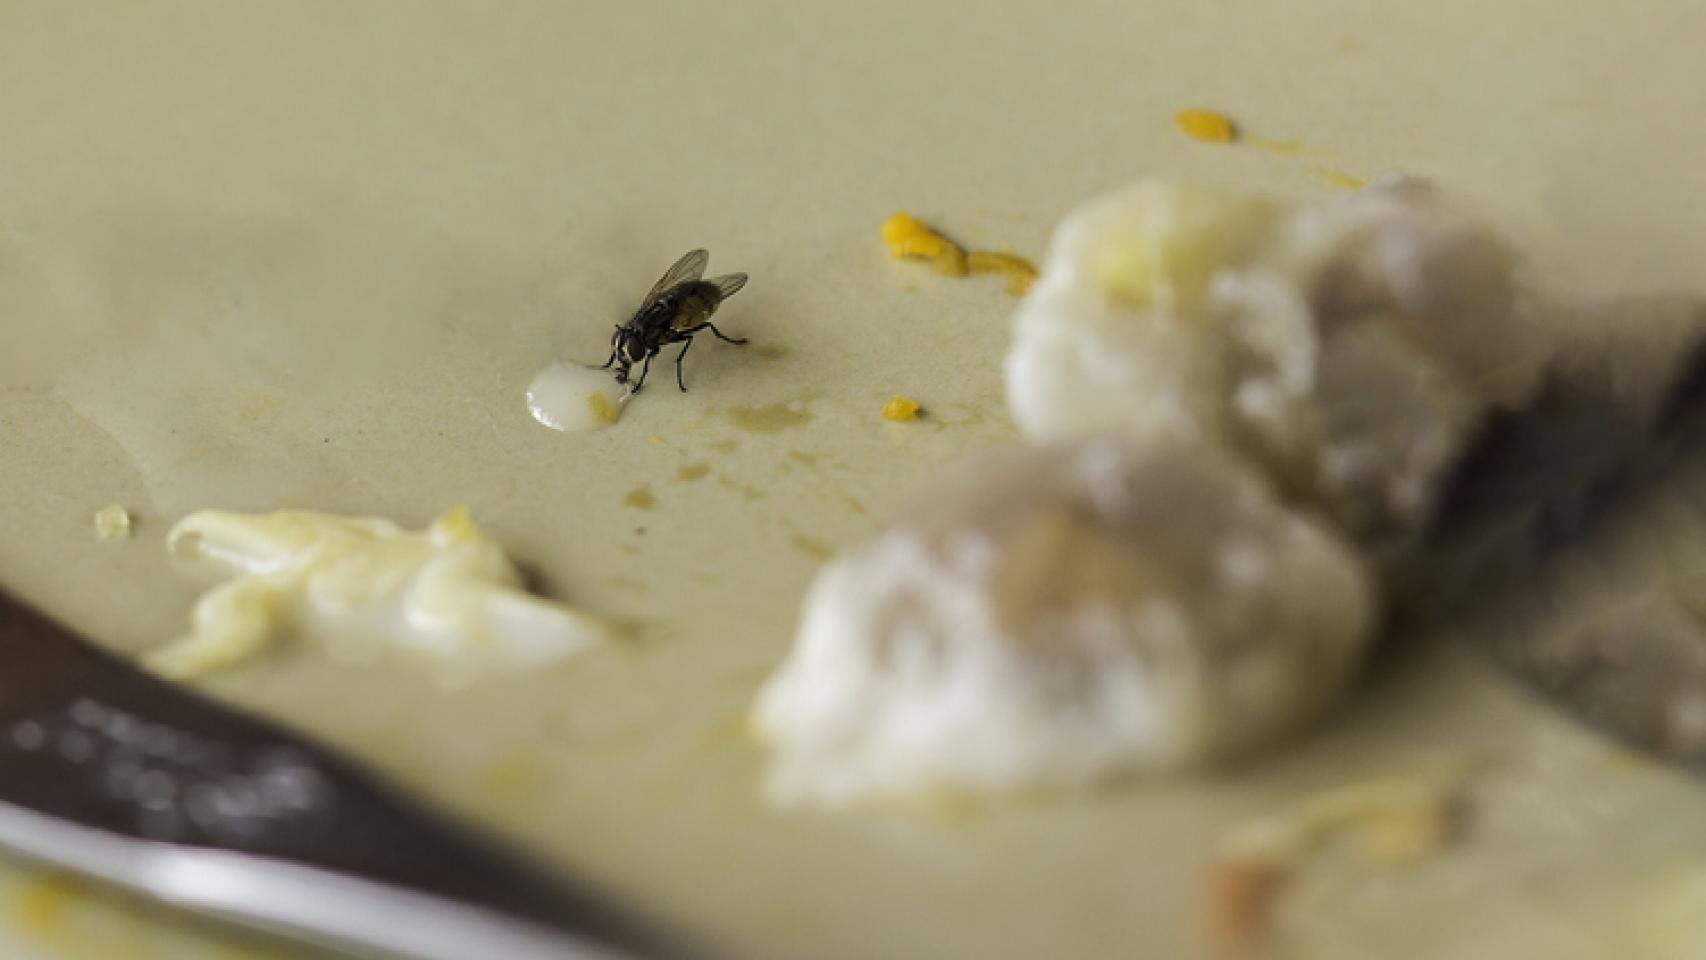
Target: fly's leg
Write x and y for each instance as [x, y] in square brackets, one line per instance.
[685, 343]
[644, 369]
[615, 348]
[719, 333]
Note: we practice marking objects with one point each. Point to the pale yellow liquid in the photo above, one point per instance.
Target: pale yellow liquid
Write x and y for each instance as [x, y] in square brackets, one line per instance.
[310, 254]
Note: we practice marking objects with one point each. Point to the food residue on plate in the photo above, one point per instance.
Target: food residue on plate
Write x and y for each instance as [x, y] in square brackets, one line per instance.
[1390, 822]
[811, 547]
[1020, 273]
[1338, 178]
[572, 397]
[770, 418]
[1209, 126]
[1238, 902]
[907, 237]
[112, 522]
[362, 584]
[899, 408]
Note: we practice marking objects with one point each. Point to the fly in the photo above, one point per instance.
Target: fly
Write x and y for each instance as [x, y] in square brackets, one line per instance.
[679, 305]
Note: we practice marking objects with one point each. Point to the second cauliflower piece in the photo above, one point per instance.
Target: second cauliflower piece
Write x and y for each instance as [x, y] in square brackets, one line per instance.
[1062, 614]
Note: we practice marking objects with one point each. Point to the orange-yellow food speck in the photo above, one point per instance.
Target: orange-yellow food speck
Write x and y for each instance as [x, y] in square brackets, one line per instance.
[1020, 273]
[601, 407]
[907, 237]
[1205, 125]
[1336, 178]
[900, 408]
[1238, 903]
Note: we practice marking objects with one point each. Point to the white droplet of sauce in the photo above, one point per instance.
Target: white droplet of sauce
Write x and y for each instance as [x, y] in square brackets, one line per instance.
[572, 397]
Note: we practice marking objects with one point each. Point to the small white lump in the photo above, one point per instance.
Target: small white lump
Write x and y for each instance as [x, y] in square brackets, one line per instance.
[1060, 615]
[112, 522]
[572, 397]
[447, 593]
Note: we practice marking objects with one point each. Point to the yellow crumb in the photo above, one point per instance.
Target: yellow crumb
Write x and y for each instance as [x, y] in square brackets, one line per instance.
[900, 408]
[907, 237]
[112, 522]
[1205, 125]
[601, 407]
[1020, 273]
[1337, 178]
[654, 438]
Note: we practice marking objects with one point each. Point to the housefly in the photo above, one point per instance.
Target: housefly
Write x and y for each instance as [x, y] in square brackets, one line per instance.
[679, 305]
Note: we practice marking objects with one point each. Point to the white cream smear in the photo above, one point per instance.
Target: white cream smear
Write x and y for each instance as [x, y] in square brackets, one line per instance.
[364, 584]
[572, 397]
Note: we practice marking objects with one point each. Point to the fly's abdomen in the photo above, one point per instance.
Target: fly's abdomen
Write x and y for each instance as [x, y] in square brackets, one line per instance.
[698, 301]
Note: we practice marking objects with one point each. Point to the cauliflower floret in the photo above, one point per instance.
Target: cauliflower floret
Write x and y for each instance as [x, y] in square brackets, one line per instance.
[1351, 346]
[1114, 336]
[1059, 615]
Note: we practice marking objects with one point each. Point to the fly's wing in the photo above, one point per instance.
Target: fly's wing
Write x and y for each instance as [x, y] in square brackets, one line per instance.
[691, 266]
[728, 284]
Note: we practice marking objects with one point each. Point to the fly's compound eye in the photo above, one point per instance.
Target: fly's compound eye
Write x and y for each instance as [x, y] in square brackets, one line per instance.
[635, 349]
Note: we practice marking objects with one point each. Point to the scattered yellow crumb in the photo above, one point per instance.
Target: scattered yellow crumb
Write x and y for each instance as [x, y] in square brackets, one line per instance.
[900, 408]
[112, 522]
[907, 237]
[654, 438]
[601, 407]
[1020, 273]
[1205, 125]
[1337, 178]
